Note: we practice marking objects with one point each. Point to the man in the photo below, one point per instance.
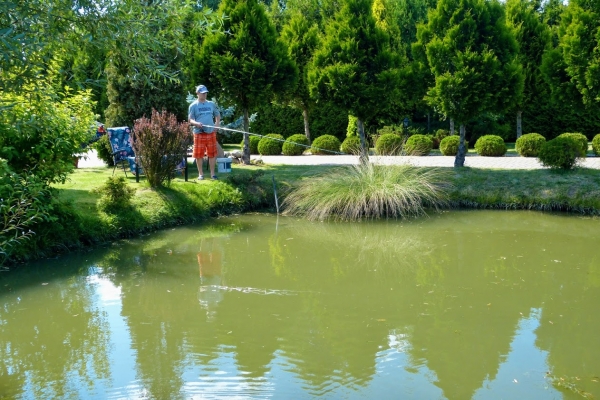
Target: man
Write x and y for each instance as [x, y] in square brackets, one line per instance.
[203, 112]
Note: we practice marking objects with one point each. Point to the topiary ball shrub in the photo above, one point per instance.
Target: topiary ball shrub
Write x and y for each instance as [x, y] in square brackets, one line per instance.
[418, 145]
[440, 134]
[490, 146]
[351, 145]
[254, 140]
[270, 145]
[449, 145]
[326, 144]
[596, 144]
[529, 144]
[295, 145]
[580, 139]
[389, 144]
[560, 153]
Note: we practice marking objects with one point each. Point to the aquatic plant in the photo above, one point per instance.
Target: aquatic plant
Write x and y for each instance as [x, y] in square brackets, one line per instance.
[368, 191]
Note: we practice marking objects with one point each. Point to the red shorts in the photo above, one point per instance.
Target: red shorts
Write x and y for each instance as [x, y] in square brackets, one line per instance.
[205, 142]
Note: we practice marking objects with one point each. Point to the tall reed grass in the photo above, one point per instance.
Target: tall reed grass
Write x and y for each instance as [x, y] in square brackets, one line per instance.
[369, 191]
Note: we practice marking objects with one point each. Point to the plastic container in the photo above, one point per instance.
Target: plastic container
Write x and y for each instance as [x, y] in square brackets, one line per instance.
[223, 165]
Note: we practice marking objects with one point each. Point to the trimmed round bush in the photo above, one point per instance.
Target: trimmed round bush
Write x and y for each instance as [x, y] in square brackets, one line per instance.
[388, 144]
[418, 145]
[295, 145]
[269, 146]
[440, 134]
[326, 144]
[449, 145]
[596, 144]
[560, 153]
[253, 144]
[581, 141]
[351, 145]
[490, 146]
[529, 144]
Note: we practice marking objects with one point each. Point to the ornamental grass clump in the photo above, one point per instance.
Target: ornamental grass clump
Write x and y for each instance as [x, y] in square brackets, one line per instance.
[295, 145]
[490, 146]
[369, 191]
[529, 145]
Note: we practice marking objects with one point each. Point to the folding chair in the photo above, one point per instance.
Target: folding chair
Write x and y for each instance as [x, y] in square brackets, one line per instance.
[121, 145]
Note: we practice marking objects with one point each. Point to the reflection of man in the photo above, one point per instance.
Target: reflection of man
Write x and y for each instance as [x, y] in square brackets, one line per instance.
[209, 263]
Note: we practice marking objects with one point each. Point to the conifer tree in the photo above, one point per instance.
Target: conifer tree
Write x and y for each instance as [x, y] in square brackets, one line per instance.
[354, 67]
[248, 64]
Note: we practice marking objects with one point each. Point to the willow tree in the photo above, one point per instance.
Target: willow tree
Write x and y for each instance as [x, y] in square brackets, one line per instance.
[354, 67]
[248, 64]
[473, 57]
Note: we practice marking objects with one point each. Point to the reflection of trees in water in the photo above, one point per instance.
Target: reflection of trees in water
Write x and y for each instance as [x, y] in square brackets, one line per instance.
[50, 332]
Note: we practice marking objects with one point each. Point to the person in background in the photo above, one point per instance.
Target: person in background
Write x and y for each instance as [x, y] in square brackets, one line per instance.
[203, 112]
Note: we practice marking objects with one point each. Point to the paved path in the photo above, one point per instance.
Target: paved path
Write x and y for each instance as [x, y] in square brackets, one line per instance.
[473, 161]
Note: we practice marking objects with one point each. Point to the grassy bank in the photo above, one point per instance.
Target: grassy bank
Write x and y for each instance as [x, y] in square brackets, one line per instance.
[81, 223]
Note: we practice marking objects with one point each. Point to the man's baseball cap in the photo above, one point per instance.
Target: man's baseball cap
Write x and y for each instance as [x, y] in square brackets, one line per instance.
[201, 89]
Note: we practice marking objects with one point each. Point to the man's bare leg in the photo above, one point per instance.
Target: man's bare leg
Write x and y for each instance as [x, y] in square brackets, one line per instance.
[199, 165]
[211, 164]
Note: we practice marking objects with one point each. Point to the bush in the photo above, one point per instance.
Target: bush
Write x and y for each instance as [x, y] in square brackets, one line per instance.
[41, 132]
[580, 139]
[389, 144]
[295, 145]
[160, 144]
[490, 146]
[440, 134]
[115, 194]
[596, 144]
[351, 145]
[270, 145]
[254, 140]
[352, 129]
[529, 144]
[561, 152]
[104, 150]
[449, 145]
[418, 145]
[326, 144]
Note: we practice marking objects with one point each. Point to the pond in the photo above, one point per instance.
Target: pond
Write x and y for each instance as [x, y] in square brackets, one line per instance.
[459, 305]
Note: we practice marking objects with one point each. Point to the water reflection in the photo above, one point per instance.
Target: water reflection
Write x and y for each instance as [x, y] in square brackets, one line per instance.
[460, 305]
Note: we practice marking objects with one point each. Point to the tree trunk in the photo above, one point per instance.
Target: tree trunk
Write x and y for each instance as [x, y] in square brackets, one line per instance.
[306, 128]
[451, 126]
[428, 123]
[246, 150]
[364, 149]
[459, 161]
[519, 126]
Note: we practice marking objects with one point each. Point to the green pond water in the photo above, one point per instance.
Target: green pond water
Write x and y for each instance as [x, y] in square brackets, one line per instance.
[460, 305]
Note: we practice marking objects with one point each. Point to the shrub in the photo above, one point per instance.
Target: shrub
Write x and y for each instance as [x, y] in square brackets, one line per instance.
[580, 139]
[596, 144]
[160, 144]
[440, 134]
[490, 146]
[295, 145]
[418, 145]
[41, 132]
[326, 144]
[351, 145]
[270, 145]
[352, 129]
[104, 150]
[560, 153]
[254, 140]
[449, 145]
[388, 144]
[529, 144]
[115, 194]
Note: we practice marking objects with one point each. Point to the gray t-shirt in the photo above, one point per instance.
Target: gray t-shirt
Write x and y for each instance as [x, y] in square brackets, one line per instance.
[203, 113]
